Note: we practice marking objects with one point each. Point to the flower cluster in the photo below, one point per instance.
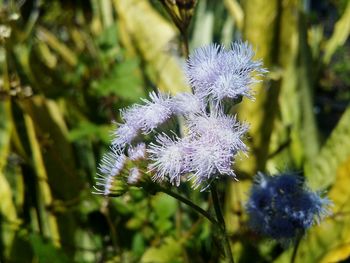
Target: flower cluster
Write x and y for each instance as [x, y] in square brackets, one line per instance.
[211, 138]
[283, 208]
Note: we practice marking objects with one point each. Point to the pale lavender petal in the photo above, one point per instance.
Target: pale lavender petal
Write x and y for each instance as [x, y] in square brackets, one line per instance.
[169, 158]
[137, 152]
[111, 165]
[186, 103]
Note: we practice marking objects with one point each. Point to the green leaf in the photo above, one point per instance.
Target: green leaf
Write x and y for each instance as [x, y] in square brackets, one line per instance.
[90, 131]
[236, 12]
[8, 215]
[321, 172]
[150, 34]
[45, 251]
[109, 37]
[43, 192]
[52, 41]
[124, 81]
[340, 35]
[164, 206]
[169, 251]
[138, 244]
[203, 26]
[51, 135]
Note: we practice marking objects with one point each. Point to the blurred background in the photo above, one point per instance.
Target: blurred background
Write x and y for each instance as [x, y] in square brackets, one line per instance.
[67, 67]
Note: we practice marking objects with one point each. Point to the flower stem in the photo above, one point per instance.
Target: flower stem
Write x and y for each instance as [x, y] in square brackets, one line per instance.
[295, 249]
[189, 203]
[221, 220]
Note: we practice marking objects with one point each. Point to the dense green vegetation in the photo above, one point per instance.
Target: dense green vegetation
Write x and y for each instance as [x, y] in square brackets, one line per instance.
[67, 67]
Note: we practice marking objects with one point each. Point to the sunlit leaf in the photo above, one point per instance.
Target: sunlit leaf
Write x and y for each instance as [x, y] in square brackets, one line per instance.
[340, 35]
[152, 36]
[236, 12]
[62, 49]
[8, 214]
[124, 80]
[168, 251]
[43, 193]
[321, 172]
[90, 131]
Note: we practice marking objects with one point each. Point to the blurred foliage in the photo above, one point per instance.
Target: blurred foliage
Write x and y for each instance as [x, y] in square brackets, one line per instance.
[68, 66]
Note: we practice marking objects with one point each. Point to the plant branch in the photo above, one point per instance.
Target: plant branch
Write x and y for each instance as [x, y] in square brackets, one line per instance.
[295, 249]
[189, 203]
[220, 217]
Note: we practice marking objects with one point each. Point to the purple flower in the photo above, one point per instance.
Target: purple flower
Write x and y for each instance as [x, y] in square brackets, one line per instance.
[283, 208]
[186, 103]
[168, 158]
[137, 152]
[212, 138]
[217, 73]
[143, 118]
[149, 116]
[111, 165]
[124, 134]
[220, 129]
[134, 176]
[231, 85]
[203, 66]
[208, 160]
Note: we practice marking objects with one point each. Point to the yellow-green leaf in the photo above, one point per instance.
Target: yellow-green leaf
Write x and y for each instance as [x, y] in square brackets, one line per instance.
[44, 196]
[169, 251]
[152, 35]
[322, 171]
[236, 12]
[340, 35]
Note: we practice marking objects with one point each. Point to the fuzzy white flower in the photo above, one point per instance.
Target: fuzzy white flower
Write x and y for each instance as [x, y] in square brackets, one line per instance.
[208, 160]
[111, 165]
[219, 128]
[186, 103]
[231, 85]
[169, 158]
[137, 152]
[203, 66]
[217, 73]
[150, 115]
[143, 118]
[134, 176]
[124, 134]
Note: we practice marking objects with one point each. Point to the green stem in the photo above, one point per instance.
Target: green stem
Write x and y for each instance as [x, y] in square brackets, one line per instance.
[185, 45]
[189, 203]
[295, 249]
[220, 217]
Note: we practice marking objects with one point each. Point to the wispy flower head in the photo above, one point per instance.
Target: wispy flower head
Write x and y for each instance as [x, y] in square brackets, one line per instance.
[137, 152]
[212, 137]
[110, 167]
[231, 85]
[134, 176]
[186, 103]
[155, 112]
[203, 66]
[168, 158]
[241, 60]
[282, 207]
[142, 118]
[218, 73]
[219, 128]
[124, 134]
[208, 160]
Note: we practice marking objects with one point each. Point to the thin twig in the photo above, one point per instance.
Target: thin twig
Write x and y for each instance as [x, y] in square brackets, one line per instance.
[220, 217]
[295, 249]
[189, 203]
